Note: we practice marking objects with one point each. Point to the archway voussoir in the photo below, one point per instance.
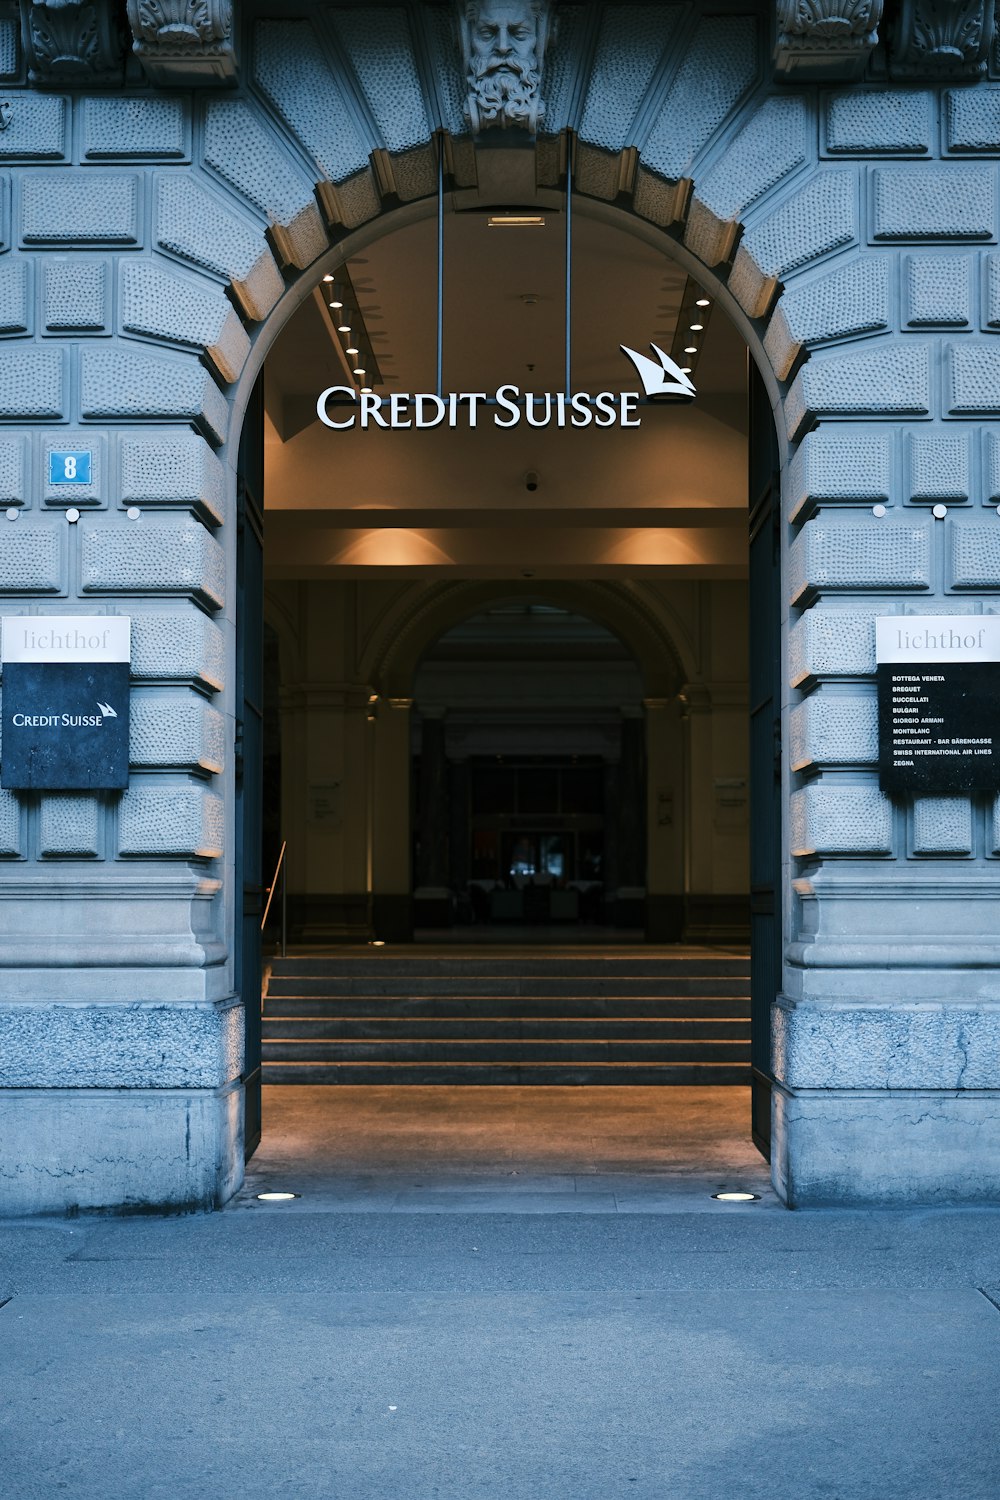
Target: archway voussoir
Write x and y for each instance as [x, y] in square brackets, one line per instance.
[119, 384]
[820, 218]
[160, 305]
[772, 145]
[194, 225]
[15, 296]
[847, 303]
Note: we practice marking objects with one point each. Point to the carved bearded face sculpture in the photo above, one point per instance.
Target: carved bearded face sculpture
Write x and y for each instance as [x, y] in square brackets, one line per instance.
[504, 44]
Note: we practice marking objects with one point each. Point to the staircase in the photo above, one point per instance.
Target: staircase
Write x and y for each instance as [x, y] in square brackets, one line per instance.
[525, 1018]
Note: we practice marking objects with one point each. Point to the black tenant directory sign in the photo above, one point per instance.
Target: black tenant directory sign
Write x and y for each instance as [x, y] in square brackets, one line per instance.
[938, 703]
[65, 702]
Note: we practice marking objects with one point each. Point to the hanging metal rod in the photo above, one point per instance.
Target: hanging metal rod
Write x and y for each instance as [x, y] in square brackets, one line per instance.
[440, 268]
[569, 262]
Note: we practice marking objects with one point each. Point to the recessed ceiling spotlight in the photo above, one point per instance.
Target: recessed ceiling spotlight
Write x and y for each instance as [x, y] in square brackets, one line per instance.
[703, 302]
[328, 277]
[343, 327]
[366, 390]
[691, 349]
[336, 305]
[696, 327]
[359, 373]
[351, 350]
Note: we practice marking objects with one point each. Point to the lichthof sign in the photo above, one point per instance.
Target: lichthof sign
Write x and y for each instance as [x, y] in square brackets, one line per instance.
[65, 702]
[938, 703]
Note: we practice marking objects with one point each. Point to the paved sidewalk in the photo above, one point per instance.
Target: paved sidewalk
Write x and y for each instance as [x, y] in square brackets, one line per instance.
[381, 1338]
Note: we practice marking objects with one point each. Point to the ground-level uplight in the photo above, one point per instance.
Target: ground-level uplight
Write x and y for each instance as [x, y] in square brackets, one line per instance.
[276, 1197]
[736, 1197]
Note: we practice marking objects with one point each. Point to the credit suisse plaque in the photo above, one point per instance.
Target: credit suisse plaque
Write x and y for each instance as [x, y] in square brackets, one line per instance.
[938, 703]
[65, 702]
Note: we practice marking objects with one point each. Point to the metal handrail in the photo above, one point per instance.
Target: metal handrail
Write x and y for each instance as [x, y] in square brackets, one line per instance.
[279, 869]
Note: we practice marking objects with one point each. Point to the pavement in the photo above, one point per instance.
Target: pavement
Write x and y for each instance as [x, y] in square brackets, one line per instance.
[527, 1293]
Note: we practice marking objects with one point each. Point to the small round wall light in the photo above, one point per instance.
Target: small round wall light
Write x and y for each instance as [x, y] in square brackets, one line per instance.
[72, 515]
[878, 510]
[133, 512]
[276, 1197]
[736, 1197]
[939, 512]
[12, 513]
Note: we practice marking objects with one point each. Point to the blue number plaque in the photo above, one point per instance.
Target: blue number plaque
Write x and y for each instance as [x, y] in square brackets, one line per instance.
[70, 466]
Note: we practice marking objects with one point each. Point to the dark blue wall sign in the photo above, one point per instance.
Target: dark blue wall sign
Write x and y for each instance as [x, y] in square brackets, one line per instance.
[65, 702]
[65, 726]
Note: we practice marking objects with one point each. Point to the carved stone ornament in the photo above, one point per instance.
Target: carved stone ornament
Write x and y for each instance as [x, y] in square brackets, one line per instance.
[184, 42]
[69, 43]
[830, 39]
[941, 39]
[503, 48]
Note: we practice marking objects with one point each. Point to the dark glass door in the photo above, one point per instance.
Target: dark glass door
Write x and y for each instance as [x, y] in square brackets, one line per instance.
[765, 751]
[249, 747]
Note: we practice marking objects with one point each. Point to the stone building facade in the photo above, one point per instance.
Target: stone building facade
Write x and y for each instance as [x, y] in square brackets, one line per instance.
[174, 181]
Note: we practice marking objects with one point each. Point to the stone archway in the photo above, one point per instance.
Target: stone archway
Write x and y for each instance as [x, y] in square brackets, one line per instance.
[158, 242]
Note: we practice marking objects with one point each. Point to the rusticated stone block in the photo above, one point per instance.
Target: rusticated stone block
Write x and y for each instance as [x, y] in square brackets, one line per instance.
[10, 826]
[833, 642]
[631, 43]
[884, 377]
[138, 128]
[874, 554]
[82, 208]
[932, 1045]
[992, 291]
[925, 202]
[37, 129]
[973, 379]
[159, 305]
[69, 826]
[126, 1047]
[15, 296]
[32, 556]
[157, 555]
[974, 553]
[117, 382]
[834, 730]
[991, 468]
[942, 825]
[771, 146]
[995, 827]
[175, 729]
[819, 218]
[14, 470]
[852, 300]
[32, 383]
[843, 465]
[827, 819]
[179, 647]
[863, 124]
[172, 469]
[95, 492]
[937, 466]
[294, 76]
[937, 291]
[241, 149]
[972, 119]
[158, 821]
[381, 49]
[9, 49]
[192, 224]
[76, 295]
[718, 67]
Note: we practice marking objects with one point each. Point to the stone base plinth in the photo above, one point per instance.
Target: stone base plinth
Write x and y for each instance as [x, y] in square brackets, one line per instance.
[890, 1148]
[120, 1151]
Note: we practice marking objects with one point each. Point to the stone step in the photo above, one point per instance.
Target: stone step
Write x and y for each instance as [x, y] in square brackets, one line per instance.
[504, 1028]
[567, 1074]
[665, 1007]
[490, 1050]
[598, 966]
[524, 986]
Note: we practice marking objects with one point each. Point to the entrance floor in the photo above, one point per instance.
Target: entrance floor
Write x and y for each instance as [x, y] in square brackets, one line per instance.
[426, 1149]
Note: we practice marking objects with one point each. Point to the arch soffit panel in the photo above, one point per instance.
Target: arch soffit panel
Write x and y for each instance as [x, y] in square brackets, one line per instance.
[426, 612]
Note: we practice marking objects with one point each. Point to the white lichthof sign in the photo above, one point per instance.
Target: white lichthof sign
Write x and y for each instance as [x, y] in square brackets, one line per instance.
[66, 638]
[937, 638]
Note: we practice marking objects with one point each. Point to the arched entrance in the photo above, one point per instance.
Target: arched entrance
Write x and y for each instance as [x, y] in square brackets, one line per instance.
[865, 295]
